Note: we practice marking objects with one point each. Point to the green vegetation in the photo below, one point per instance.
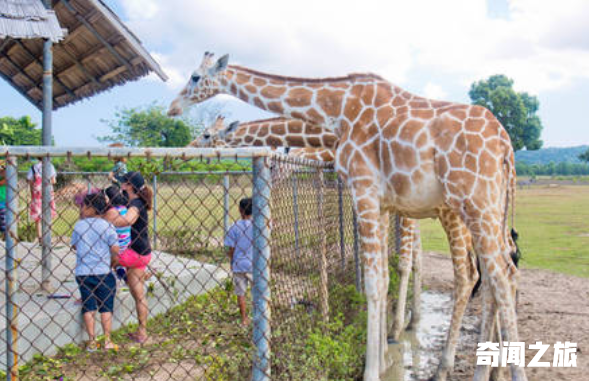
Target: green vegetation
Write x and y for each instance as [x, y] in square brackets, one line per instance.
[203, 336]
[551, 154]
[148, 127]
[584, 156]
[551, 169]
[517, 112]
[19, 132]
[553, 223]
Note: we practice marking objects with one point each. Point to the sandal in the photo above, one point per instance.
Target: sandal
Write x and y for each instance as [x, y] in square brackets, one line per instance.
[137, 338]
[91, 346]
[109, 345]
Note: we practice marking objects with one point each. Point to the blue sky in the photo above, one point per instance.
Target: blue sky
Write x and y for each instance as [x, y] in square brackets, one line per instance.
[431, 48]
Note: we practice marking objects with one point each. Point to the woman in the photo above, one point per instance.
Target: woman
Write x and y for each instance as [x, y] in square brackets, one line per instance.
[34, 177]
[138, 254]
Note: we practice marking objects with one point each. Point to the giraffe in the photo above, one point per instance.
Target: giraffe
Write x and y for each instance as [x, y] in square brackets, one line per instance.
[318, 144]
[401, 153]
[270, 132]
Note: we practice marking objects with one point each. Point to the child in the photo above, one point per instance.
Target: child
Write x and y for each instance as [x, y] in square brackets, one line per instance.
[96, 242]
[118, 200]
[240, 252]
[118, 172]
[34, 177]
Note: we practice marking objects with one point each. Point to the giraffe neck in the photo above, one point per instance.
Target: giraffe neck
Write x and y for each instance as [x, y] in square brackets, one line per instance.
[321, 102]
[281, 132]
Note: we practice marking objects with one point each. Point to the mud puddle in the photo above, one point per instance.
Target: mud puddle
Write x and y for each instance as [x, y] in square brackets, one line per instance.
[416, 355]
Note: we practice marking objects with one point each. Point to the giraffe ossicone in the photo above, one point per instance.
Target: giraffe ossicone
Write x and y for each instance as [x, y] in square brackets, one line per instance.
[398, 153]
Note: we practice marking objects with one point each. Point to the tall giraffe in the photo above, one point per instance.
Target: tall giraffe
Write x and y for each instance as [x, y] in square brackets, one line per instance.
[398, 152]
[271, 132]
[318, 144]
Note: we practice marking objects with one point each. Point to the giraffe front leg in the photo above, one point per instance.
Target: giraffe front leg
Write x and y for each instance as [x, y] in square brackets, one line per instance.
[465, 277]
[368, 227]
[384, 249]
[416, 302]
[374, 344]
[404, 269]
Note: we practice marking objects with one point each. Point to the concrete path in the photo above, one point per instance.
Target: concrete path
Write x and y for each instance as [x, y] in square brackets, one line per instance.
[44, 324]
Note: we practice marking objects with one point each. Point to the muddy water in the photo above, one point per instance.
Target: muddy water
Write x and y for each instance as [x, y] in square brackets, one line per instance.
[416, 355]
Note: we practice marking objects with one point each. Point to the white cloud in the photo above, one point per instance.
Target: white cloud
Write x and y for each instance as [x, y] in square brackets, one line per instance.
[434, 91]
[543, 45]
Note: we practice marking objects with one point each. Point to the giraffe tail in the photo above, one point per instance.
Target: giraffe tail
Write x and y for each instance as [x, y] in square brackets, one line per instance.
[511, 238]
[477, 285]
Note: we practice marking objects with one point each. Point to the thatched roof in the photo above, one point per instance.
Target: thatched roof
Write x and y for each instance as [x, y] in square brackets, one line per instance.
[28, 19]
[98, 53]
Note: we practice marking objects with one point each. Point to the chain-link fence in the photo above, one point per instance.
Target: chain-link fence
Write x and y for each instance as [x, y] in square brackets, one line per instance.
[305, 314]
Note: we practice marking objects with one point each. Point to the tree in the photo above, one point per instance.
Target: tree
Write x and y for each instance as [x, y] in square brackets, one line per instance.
[517, 112]
[19, 132]
[147, 127]
[584, 156]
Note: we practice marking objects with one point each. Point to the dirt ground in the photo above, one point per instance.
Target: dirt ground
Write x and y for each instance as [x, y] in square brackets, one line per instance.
[552, 307]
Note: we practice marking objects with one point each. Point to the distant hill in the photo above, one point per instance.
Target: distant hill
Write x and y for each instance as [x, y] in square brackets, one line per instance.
[551, 154]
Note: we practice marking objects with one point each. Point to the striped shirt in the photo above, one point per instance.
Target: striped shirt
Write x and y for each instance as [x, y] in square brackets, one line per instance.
[123, 232]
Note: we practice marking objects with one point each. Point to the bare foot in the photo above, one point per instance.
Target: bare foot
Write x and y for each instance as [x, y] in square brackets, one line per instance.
[245, 322]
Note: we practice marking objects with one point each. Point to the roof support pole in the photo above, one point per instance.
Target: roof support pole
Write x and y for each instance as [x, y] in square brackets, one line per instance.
[46, 186]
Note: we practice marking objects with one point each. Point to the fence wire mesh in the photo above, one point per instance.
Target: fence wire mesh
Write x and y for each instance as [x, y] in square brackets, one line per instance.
[304, 249]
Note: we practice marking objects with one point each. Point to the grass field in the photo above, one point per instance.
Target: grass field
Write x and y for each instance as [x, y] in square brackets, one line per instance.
[553, 223]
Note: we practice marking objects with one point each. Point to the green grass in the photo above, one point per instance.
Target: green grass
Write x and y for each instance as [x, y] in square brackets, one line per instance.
[553, 224]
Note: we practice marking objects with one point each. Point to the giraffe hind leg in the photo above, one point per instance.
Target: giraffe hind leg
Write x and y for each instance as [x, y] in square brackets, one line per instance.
[404, 268]
[465, 277]
[416, 300]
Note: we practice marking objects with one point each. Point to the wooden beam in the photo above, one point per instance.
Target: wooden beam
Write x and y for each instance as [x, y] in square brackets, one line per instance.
[92, 30]
[31, 55]
[74, 33]
[20, 90]
[4, 43]
[77, 64]
[113, 73]
[19, 70]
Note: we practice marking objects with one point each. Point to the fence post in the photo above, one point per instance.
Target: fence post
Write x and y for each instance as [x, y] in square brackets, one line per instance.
[225, 206]
[356, 251]
[154, 212]
[295, 201]
[342, 242]
[46, 217]
[397, 234]
[261, 275]
[11, 270]
[323, 291]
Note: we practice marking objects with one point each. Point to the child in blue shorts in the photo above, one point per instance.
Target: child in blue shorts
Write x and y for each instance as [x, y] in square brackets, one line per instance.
[239, 243]
[96, 242]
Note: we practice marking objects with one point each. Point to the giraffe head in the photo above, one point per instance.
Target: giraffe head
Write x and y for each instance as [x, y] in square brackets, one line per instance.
[209, 135]
[202, 85]
[214, 135]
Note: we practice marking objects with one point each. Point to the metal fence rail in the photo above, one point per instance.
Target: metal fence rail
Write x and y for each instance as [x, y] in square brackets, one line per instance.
[306, 288]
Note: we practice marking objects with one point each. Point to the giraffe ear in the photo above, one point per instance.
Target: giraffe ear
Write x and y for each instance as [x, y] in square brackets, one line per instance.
[220, 65]
[231, 128]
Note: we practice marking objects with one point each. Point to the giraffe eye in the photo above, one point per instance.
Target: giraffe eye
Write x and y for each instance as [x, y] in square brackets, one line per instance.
[195, 78]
